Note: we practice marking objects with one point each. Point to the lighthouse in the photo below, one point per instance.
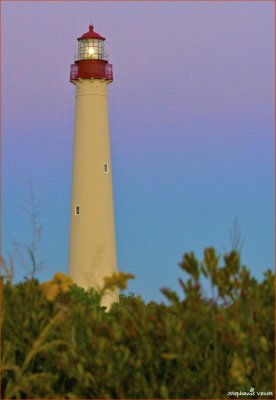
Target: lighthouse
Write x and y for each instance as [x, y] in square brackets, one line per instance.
[92, 248]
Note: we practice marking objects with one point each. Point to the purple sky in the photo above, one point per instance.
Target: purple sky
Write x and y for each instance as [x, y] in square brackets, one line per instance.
[191, 123]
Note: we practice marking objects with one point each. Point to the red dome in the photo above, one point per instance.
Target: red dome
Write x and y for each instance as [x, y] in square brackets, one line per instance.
[91, 34]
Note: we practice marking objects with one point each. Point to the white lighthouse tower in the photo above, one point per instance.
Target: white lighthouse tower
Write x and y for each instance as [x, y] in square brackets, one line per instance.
[92, 254]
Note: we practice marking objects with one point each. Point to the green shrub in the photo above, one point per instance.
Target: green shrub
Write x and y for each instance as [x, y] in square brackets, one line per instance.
[67, 346]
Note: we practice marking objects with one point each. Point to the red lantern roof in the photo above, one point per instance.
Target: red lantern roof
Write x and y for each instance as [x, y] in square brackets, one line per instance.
[91, 34]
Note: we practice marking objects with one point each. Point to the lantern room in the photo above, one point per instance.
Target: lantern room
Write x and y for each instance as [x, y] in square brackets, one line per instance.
[91, 60]
[91, 46]
[90, 49]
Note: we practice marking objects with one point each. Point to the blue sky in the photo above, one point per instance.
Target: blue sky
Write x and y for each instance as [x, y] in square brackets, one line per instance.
[191, 122]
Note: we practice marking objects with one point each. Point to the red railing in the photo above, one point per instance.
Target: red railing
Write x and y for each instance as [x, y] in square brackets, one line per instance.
[73, 72]
[109, 72]
[87, 69]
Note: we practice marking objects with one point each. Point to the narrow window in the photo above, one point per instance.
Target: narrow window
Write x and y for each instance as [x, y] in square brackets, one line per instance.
[106, 168]
[77, 210]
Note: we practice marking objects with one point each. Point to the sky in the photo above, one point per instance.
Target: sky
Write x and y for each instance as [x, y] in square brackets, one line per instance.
[191, 113]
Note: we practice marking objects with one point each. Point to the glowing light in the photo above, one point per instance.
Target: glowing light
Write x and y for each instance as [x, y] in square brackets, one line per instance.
[91, 51]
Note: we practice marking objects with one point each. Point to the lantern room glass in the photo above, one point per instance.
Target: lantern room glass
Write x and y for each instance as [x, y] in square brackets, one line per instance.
[91, 49]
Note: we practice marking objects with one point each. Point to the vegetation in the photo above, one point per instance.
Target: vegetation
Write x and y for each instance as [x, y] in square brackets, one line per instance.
[58, 342]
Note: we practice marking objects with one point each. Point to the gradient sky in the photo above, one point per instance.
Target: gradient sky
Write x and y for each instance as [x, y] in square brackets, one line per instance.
[191, 122]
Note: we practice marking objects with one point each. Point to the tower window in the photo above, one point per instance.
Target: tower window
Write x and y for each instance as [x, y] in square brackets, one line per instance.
[106, 169]
[77, 210]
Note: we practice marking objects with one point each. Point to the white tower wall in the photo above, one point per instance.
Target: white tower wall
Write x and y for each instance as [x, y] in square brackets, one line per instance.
[92, 254]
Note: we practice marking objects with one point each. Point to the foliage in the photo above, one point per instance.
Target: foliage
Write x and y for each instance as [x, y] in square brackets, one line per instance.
[58, 342]
[59, 284]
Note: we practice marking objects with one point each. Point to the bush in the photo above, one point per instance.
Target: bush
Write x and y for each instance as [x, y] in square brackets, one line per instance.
[58, 342]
